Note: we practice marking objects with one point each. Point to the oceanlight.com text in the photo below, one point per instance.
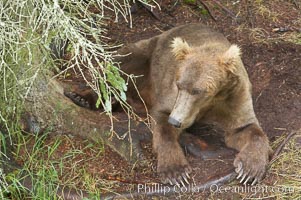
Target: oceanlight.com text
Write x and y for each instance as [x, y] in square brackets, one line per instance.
[156, 188]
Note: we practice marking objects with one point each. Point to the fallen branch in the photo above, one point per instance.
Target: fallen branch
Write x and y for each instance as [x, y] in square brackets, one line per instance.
[208, 9]
[226, 9]
[250, 14]
[281, 146]
[151, 10]
[154, 12]
[49, 107]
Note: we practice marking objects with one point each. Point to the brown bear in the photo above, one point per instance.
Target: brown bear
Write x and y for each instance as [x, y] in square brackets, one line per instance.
[193, 74]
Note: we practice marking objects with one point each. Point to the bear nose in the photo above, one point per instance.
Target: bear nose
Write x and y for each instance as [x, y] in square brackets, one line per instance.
[174, 122]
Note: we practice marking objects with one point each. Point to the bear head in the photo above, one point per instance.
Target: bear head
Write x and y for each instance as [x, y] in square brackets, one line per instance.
[202, 72]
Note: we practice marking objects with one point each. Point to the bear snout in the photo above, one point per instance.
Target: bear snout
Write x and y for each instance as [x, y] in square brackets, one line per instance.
[174, 122]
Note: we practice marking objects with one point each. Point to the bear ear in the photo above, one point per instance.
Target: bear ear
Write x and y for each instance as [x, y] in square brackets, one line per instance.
[180, 48]
[230, 58]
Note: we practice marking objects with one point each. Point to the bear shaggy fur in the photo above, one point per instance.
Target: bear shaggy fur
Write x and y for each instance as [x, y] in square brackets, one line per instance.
[193, 74]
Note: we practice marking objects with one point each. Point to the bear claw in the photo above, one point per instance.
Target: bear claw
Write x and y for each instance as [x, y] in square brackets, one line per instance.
[238, 168]
[243, 178]
[254, 181]
[246, 181]
[249, 172]
[240, 174]
[180, 180]
[185, 176]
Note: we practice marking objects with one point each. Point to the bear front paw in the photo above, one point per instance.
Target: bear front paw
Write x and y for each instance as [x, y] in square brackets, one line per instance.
[250, 165]
[173, 169]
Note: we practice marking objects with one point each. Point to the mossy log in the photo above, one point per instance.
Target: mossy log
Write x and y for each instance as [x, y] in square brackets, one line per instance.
[48, 108]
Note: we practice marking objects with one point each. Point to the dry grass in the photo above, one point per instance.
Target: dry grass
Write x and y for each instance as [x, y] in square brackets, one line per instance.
[263, 9]
[286, 169]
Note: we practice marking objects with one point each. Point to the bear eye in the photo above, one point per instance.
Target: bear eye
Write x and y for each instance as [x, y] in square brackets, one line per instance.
[196, 91]
[179, 85]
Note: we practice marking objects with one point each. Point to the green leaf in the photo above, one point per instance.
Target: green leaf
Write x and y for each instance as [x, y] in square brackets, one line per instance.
[123, 96]
[98, 102]
[108, 106]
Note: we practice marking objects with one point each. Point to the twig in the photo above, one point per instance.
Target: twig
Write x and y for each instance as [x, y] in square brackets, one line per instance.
[156, 15]
[208, 9]
[250, 14]
[225, 9]
[280, 147]
[151, 10]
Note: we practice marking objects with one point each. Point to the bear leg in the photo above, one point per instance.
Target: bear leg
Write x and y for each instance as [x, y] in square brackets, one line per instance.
[172, 165]
[253, 146]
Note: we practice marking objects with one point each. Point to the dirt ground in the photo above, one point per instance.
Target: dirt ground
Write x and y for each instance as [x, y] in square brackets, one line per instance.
[266, 31]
